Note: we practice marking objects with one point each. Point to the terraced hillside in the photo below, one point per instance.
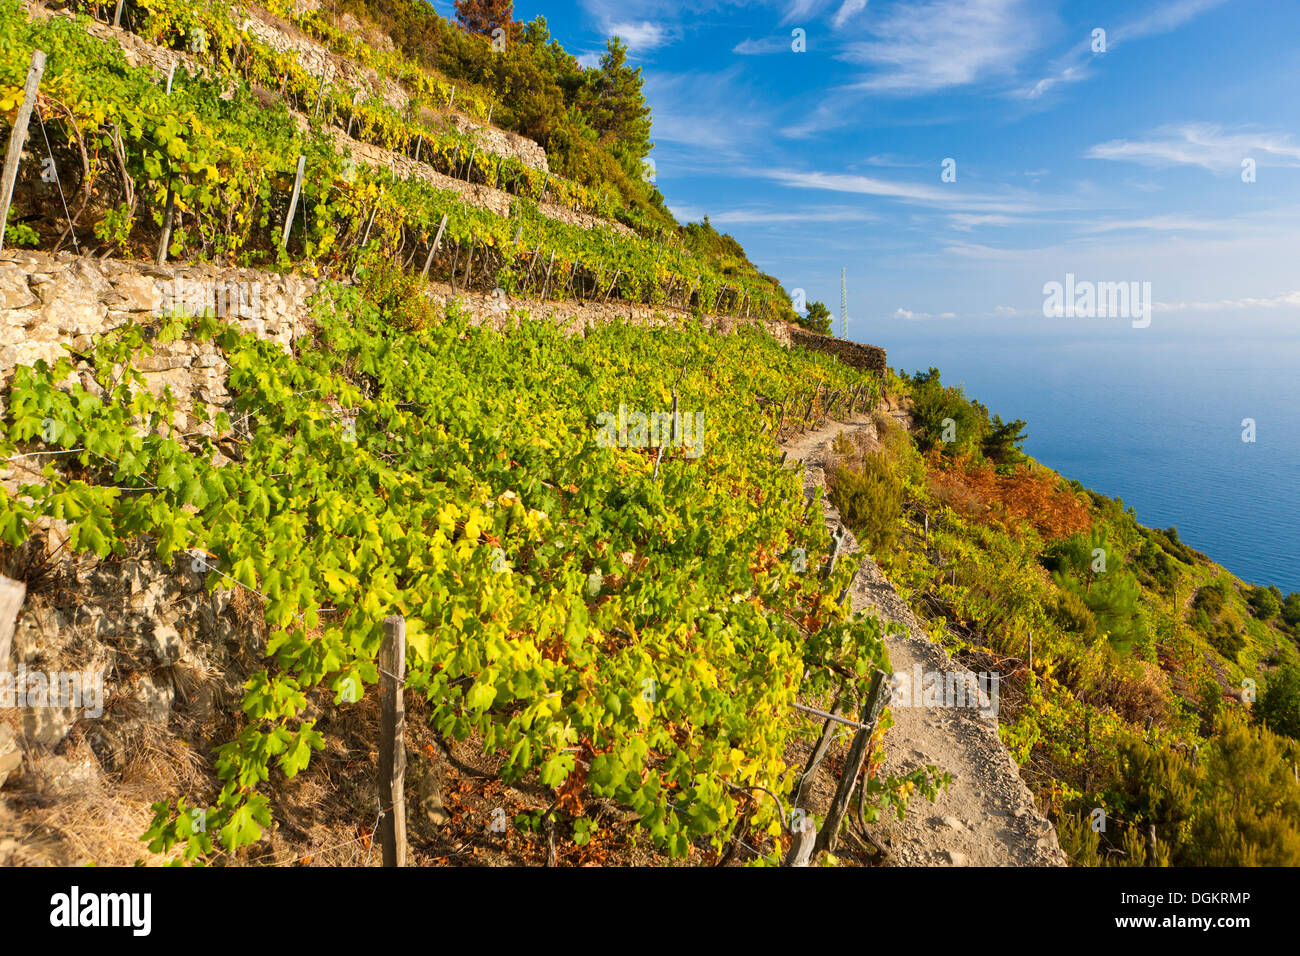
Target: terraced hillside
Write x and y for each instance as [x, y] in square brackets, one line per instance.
[288, 351]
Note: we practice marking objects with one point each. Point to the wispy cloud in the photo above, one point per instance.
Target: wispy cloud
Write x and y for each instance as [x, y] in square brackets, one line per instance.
[1073, 66]
[640, 37]
[1154, 224]
[802, 11]
[1203, 144]
[847, 11]
[794, 214]
[940, 44]
[1007, 202]
[762, 46]
[708, 119]
[1284, 300]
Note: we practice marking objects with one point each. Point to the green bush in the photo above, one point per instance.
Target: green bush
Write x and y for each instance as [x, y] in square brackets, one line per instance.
[1072, 615]
[1265, 603]
[869, 496]
[1278, 707]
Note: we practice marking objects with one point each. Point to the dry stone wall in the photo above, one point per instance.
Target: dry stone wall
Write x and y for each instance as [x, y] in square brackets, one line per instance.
[854, 354]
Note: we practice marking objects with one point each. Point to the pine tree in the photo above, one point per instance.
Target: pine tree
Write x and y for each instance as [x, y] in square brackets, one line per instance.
[484, 16]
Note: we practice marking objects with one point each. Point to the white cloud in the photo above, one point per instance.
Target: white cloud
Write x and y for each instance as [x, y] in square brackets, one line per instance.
[794, 213]
[941, 44]
[1205, 145]
[800, 11]
[1073, 66]
[847, 11]
[639, 37]
[589, 61]
[968, 221]
[762, 46]
[1154, 224]
[939, 196]
[1285, 300]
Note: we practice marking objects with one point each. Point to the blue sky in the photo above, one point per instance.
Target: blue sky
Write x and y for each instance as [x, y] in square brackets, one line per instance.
[1123, 165]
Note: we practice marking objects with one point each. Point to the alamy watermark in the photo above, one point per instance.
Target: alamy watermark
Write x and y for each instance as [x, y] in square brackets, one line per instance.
[1098, 300]
[60, 689]
[224, 298]
[953, 689]
[635, 429]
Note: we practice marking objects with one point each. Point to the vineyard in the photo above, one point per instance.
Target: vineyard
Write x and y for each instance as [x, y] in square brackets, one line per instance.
[608, 614]
[198, 166]
[547, 582]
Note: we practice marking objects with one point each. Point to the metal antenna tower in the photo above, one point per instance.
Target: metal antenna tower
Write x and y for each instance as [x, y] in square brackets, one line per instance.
[844, 303]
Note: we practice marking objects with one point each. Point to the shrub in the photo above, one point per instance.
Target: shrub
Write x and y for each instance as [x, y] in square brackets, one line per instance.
[401, 296]
[1265, 603]
[1278, 707]
[1211, 598]
[1072, 615]
[869, 496]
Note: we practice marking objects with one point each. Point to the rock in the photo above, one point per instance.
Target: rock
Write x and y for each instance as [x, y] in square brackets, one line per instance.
[14, 290]
[11, 755]
[955, 858]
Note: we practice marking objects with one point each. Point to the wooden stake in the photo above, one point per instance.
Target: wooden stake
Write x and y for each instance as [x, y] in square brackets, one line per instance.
[532, 261]
[392, 748]
[434, 248]
[117, 15]
[18, 137]
[877, 698]
[547, 283]
[469, 264]
[293, 202]
[165, 240]
[617, 273]
[171, 75]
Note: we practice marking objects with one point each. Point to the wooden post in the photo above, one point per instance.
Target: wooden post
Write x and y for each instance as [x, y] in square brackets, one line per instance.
[837, 538]
[469, 264]
[392, 748]
[547, 283]
[617, 273]
[320, 95]
[532, 261]
[1151, 840]
[434, 248]
[545, 183]
[171, 75]
[293, 202]
[12, 594]
[418, 143]
[805, 841]
[877, 698]
[117, 14]
[1031, 652]
[18, 137]
[165, 240]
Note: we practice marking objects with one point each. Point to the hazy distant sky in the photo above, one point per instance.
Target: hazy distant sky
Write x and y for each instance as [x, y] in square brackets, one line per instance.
[1117, 166]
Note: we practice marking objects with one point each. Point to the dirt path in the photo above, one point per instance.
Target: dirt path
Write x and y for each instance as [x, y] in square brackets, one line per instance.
[987, 817]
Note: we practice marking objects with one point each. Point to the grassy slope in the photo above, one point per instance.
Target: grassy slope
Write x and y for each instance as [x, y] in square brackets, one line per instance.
[1077, 721]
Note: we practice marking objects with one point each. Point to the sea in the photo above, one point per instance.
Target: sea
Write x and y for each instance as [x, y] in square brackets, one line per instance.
[1162, 417]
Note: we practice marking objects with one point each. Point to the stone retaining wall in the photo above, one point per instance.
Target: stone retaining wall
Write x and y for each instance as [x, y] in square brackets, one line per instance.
[853, 354]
